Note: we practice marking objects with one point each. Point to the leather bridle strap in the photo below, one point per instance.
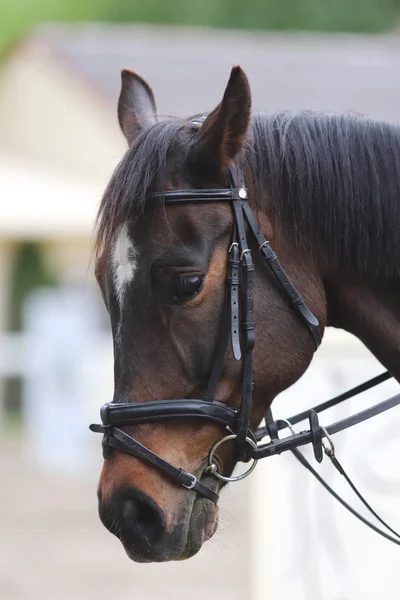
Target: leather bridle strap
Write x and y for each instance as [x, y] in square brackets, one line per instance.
[229, 321]
[247, 324]
[303, 461]
[119, 440]
[363, 387]
[278, 271]
[234, 284]
[302, 416]
[237, 194]
[373, 512]
[322, 442]
[306, 437]
[136, 413]
[194, 196]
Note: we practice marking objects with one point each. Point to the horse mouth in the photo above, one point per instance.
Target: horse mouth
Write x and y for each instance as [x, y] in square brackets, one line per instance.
[203, 524]
[183, 542]
[150, 532]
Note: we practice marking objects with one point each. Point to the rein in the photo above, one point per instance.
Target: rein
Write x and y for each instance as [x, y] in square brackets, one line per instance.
[238, 326]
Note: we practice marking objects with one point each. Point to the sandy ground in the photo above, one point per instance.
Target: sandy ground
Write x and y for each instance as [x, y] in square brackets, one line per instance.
[53, 547]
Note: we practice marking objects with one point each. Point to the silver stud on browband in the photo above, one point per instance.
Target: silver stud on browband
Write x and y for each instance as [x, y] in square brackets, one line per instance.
[242, 193]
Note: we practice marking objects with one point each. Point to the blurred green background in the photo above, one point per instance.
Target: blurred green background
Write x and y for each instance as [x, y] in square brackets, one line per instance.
[312, 15]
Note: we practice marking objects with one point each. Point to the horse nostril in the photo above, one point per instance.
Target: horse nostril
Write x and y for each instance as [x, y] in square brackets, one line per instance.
[145, 515]
[140, 517]
[128, 509]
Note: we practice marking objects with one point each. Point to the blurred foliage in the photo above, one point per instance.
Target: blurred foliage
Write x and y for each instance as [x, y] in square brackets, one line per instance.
[17, 16]
[27, 273]
[318, 15]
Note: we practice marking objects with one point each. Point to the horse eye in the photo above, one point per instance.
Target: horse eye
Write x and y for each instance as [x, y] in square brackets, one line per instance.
[186, 286]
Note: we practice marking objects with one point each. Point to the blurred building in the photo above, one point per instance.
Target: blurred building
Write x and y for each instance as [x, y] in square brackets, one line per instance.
[59, 141]
[59, 138]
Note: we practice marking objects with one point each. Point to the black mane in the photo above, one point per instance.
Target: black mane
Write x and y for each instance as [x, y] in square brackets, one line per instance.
[141, 171]
[331, 182]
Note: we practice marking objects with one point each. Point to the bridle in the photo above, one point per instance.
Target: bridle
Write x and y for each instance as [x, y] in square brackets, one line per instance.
[237, 325]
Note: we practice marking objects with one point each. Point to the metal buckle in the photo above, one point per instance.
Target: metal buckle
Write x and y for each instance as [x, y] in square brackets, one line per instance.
[329, 448]
[191, 485]
[290, 426]
[213, 468]
[244, 252]
[259, 247]
[232, 246]
[326, 441]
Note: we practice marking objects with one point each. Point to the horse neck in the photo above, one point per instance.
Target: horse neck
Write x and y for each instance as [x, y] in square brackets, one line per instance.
[370, 310]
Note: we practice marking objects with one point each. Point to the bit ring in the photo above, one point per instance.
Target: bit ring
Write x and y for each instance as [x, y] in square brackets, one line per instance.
[212, 467]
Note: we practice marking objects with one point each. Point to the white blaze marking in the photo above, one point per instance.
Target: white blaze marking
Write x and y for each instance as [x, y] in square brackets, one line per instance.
[124, 263]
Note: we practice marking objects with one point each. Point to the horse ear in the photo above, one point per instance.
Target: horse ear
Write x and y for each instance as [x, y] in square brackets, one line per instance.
[136, 105]
[223, 133]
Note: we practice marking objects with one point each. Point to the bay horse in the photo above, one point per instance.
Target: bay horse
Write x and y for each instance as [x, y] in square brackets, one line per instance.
[324, 190]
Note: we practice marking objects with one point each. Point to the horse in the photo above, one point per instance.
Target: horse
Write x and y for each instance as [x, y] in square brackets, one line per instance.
[324, 190]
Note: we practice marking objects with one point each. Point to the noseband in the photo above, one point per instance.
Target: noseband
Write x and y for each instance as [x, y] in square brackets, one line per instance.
[238, 326]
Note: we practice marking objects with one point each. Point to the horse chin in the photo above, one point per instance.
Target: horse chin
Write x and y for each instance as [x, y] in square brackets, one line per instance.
[202, 526]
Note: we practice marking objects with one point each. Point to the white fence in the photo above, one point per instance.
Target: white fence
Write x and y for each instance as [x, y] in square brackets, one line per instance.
[65, 360]
[305, 545]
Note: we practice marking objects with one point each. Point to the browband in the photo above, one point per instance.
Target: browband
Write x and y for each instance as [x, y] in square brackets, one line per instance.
[199, 196]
